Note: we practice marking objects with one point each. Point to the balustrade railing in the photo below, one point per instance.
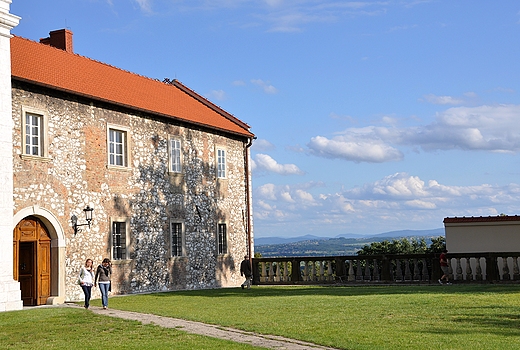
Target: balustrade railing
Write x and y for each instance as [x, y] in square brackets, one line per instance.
[389, 268]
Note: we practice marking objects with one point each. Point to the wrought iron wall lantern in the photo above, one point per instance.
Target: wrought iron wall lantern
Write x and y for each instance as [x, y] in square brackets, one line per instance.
[88, 216]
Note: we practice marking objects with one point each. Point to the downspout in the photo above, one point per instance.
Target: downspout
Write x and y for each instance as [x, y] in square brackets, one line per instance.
[248, 198]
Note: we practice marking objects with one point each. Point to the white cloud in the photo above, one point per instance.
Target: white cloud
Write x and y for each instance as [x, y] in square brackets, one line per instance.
[145, 5]
[291, 16]
[443, 100]
[266, 191]
[263, 205]
[266, 86]
[399, 185]
[393, 202]
[284, 16]
[354, 147]
[490, 128]
[218, 95]
[403, 27]
[505, 90]
[484, 128]
[262, 145]
[286, 196]
[274, 3]
[264, 162]
[304, 196]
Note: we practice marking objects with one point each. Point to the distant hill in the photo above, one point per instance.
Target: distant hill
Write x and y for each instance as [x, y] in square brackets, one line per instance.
[392, 234]
[407, 233]
[325, 246]
[280, 240]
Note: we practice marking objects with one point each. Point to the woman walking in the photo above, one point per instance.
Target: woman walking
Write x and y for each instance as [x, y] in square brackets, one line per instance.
[86, 279]
[103, 274]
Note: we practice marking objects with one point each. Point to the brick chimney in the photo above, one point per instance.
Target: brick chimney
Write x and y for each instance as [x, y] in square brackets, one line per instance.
[61, 39]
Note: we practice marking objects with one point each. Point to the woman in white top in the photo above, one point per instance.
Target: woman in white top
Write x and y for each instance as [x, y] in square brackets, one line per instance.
[86, 280]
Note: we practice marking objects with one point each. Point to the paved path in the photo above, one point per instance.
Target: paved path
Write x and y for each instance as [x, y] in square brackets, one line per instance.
[236, 335]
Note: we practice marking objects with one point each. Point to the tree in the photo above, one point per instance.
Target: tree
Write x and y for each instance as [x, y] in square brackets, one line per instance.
[438, 245]
[404, 246]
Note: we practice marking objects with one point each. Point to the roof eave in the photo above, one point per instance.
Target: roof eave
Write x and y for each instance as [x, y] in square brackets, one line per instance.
[246, 133]
[209, 104]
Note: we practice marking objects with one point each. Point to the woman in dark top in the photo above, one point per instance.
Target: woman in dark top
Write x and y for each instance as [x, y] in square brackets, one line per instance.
[103, 274]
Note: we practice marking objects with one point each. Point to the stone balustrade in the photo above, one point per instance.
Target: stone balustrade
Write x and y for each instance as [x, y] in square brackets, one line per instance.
[390, 268]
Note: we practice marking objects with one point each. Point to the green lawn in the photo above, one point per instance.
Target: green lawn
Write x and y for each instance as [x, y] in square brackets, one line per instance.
[70, 328]
[382, 317]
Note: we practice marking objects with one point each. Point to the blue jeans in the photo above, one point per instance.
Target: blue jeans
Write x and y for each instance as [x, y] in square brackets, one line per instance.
[88, 292]
[103, 288]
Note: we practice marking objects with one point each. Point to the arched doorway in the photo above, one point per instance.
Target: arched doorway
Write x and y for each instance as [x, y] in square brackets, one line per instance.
[32, 260]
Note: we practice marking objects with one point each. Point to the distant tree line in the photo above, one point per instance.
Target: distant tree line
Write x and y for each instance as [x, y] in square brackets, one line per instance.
[404, 246]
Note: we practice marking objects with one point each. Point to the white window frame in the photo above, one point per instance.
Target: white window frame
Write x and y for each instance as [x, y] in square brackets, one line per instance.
[182, 251]
[43, 137]
[126, 222]
[222, 244]
[125, 147]
[174, 160]
[221, 162]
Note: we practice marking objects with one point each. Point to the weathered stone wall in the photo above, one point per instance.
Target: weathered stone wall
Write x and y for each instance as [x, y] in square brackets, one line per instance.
[75, 174]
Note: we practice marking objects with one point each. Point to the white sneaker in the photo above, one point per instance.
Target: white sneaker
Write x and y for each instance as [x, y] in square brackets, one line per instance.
[440, 282]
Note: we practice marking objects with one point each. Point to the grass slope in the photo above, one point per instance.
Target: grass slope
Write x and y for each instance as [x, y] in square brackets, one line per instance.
[70, 328]
[352, 317]
[380, 317]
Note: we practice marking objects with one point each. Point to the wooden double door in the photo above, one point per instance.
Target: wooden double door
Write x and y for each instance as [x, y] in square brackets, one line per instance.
[32, 260]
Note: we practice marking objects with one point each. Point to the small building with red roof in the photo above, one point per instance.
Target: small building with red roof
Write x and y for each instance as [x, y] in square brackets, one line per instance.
[165, 170]
[479, 234]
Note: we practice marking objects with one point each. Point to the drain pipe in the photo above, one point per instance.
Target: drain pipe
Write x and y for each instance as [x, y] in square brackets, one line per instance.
[248, 198]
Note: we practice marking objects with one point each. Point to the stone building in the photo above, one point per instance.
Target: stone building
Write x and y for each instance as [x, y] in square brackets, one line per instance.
[9, 288]
[166, 171]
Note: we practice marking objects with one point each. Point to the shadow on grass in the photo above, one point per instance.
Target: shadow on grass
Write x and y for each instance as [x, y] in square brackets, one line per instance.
[504, 325]
[290, 291]
[454, 310]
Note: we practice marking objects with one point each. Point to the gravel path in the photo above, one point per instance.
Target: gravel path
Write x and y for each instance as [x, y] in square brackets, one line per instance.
[236, 335]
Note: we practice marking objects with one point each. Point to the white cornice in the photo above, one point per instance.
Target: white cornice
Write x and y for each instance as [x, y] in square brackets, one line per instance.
[7, 20]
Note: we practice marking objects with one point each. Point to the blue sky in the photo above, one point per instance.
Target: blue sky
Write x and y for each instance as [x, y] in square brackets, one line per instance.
[371, 116]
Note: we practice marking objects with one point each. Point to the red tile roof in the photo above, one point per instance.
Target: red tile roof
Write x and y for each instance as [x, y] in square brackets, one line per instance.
[464, 219]
[57, 69]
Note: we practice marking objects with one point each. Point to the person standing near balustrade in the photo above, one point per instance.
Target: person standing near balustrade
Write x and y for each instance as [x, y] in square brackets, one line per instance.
[443, 260]
[245, 270]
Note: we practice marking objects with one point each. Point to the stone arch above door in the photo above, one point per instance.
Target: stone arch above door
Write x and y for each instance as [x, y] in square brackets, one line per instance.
[58, 244]
[48, 218]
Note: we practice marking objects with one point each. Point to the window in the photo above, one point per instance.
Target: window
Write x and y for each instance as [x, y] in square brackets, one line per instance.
[119, 240]
[221, 163]
[34, 137]
[175, 156]
[176, 239]
[222, 239]
[117, 147]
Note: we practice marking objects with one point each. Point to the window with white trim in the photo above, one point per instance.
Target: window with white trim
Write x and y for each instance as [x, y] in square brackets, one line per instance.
[34, 133]
[221, 163]
[176, 239]
[175, 155]
[222, 239]
[119, 240]
[117, 147]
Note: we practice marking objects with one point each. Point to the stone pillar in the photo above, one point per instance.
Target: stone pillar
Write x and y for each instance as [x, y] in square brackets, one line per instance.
[10, 295]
